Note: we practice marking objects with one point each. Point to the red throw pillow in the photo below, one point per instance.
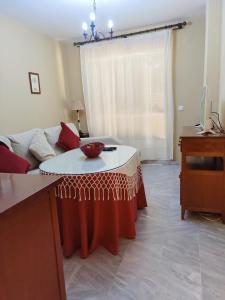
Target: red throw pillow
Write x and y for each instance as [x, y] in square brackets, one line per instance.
[68, 140]
[12, 163]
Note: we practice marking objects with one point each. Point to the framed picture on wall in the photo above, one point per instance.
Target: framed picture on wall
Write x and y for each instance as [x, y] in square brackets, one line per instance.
[34, 83]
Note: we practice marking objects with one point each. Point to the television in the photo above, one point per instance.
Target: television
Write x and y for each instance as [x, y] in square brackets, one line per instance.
[205, 113]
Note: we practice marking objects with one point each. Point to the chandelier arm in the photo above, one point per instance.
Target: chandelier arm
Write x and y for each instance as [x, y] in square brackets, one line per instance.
[94, 35]
[102, 34]
[91, 36]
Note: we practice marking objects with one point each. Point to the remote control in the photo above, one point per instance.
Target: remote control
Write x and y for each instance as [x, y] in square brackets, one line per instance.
[109, 148]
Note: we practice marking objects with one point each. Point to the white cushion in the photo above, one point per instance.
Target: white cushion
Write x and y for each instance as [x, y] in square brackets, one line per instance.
[34, 172]
[52, 135]
[6, 141]
[20, 143]
[40, 147]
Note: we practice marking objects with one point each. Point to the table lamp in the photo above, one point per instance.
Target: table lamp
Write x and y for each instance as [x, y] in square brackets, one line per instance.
[78, 105]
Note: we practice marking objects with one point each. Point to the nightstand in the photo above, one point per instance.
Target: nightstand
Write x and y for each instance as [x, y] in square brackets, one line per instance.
[202, 187]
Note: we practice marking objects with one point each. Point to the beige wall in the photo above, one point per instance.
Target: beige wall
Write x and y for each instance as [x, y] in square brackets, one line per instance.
[23, 50]
[72, 71]
[189, 45]
[188, 75]
[222, 71]
[212, 50]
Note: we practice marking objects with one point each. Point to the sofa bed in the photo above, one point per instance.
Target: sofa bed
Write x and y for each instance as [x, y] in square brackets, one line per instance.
[38, 145]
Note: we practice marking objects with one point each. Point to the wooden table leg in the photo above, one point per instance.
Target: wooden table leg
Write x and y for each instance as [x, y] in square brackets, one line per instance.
[223, 218]
[182, 212]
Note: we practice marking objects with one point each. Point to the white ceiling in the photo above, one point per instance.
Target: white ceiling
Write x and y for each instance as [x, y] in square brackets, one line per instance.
[62, 19]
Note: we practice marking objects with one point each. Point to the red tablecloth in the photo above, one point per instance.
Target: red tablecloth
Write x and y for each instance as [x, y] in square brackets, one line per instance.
[98, 216]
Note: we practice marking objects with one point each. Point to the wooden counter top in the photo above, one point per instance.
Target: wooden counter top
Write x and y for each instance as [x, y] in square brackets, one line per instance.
[14, 188]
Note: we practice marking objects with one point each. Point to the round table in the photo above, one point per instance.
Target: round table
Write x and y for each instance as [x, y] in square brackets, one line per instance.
[98, 198]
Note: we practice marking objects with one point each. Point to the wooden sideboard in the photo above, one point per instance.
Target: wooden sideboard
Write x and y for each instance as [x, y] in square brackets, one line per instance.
[30, 253]
[202, 178]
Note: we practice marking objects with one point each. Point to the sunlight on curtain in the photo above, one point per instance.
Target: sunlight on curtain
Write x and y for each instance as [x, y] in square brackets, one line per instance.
[127, 86]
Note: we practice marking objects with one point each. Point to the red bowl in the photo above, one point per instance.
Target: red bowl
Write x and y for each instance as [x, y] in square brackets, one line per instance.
[93, 149]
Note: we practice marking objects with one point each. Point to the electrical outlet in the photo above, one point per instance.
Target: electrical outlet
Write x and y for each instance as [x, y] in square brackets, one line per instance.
[180, 108]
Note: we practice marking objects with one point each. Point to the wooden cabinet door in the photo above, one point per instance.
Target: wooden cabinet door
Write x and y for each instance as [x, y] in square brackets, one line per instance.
[30, 268]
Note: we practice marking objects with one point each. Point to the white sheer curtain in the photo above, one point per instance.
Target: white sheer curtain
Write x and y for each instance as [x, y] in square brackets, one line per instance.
[127, 86]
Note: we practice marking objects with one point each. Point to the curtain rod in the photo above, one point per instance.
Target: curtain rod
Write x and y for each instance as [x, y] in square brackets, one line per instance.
[125, 35]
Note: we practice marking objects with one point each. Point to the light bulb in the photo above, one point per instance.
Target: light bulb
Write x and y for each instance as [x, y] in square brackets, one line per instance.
[92, 16]
[84, 26]
[110, 24]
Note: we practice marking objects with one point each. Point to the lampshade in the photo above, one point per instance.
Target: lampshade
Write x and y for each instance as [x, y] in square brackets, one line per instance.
[77, 105]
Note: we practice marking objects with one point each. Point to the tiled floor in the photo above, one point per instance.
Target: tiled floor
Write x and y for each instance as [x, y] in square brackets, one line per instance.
[169, 260]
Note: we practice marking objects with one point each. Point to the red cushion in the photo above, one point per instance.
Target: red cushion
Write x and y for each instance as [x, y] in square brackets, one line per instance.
[68, 140]
[12, 163]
